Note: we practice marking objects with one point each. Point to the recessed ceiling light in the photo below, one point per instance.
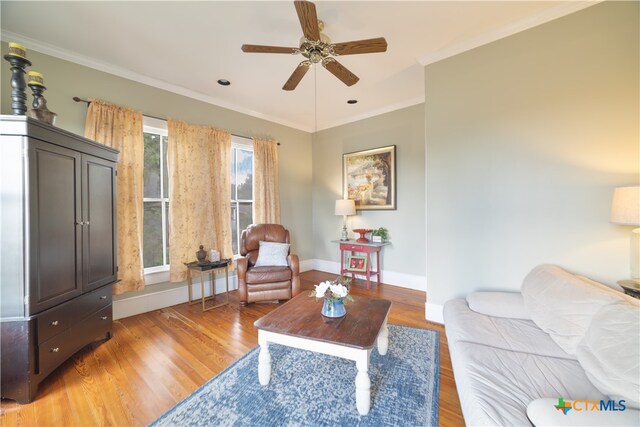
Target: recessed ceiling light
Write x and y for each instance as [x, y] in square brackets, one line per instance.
[352, 101]
[224, 82]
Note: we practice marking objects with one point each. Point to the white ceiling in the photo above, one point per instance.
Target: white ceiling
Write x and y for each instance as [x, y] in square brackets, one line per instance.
[185, 47]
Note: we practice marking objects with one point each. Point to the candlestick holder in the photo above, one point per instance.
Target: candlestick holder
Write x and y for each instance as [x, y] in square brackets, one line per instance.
[39, 110]
[18, 84]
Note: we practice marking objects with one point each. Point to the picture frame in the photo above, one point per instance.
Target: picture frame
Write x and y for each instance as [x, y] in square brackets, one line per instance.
[357, 263]
[369, 178]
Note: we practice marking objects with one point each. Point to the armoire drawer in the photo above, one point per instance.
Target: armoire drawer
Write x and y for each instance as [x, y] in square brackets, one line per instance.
[55, 320]
[56, 350]
[53, 352]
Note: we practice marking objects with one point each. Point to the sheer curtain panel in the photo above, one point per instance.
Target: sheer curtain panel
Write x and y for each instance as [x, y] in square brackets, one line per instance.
[121, 128]
[266, 195]
[199, 160]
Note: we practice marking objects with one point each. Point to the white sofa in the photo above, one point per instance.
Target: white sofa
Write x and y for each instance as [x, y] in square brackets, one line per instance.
[563, 336]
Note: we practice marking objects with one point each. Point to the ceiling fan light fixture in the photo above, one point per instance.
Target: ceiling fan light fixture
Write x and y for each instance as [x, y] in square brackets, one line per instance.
[316, 47]
[224, 82]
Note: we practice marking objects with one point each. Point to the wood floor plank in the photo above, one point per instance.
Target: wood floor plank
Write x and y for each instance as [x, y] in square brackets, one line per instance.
[157, 358]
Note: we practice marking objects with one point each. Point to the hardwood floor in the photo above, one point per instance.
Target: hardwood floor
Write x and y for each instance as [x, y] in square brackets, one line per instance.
[156, 359]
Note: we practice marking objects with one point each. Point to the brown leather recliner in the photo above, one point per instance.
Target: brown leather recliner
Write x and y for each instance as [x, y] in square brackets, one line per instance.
[265, 283]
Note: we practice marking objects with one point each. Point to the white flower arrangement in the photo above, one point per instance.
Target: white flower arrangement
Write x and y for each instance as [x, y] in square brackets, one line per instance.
[333, 290]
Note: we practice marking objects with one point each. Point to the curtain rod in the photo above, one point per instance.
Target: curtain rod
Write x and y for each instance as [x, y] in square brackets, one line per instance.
[77, 99]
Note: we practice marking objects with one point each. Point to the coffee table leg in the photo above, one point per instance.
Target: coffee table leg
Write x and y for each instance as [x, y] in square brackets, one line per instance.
[383, 340]
[363, 384]
[264, 360]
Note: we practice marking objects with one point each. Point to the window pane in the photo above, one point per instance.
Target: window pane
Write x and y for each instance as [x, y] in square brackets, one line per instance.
[245, 215]
[233, 174]
[166, 213]
[165, 169]
[152, 234]
[245, 175]
[151, 165]
[234, 228]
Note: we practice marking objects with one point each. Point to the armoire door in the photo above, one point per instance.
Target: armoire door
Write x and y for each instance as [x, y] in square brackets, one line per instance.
[55, 229]
[99, 216]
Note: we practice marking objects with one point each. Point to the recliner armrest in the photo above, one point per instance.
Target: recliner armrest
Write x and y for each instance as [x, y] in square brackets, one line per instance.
[241, 265]
[294, 264]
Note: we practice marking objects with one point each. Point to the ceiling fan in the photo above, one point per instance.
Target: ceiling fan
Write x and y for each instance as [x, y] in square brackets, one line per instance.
[317, 48]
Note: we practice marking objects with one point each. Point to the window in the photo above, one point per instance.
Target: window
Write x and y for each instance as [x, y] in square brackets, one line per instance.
[241, 188]
[155, 232]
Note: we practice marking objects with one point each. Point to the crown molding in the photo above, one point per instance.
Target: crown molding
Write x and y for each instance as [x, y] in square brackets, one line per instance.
[86, 61]
[543, 17]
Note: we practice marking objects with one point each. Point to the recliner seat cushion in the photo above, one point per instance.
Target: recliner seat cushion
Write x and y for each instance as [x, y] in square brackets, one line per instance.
[257, 275]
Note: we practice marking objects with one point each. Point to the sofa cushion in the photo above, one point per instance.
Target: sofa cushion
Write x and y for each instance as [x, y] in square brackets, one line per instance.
[499, 304]
[256, 275]
[562, 304]
[464, 324]
[495, 385]
[610, 352]
[272, 254]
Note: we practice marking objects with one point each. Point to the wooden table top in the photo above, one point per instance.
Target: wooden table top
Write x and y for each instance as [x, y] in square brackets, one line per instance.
[300, 317]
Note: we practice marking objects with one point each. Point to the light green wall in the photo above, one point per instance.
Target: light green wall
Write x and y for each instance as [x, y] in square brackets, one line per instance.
[65, 80]
[403, 128]
[525, 140]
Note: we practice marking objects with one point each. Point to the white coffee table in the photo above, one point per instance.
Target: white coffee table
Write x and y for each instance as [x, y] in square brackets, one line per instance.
[299, 324]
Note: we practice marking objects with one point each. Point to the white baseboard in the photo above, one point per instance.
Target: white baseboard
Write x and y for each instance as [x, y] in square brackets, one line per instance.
[433, 313]
[165, 296]
[168, 295]
[403, 280]
[306, 265]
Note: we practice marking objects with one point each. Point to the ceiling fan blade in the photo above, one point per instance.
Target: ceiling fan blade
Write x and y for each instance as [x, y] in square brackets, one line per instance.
[308, 19]
[256, 48]
[360, 46]
[297, 75]
[338, 70]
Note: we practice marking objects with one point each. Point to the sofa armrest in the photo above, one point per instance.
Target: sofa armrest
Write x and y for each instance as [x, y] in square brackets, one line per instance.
[499, 304]
[543, 412]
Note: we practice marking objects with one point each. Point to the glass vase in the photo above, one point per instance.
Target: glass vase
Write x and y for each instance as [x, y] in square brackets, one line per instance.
[333, 308]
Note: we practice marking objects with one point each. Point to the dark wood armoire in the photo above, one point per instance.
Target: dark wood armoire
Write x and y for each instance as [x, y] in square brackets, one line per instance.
[58, 249]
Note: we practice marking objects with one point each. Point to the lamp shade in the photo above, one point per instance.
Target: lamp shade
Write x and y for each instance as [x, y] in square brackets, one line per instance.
[625, 206]
[345, 207]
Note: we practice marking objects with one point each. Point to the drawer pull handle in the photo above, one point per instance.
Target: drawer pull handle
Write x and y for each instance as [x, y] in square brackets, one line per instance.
[55, 350]
[54, 323]
[104, 317]
[103, 297]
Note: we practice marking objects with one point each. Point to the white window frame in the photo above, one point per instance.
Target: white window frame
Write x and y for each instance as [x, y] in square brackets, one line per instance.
[241, 143]
[158, 127]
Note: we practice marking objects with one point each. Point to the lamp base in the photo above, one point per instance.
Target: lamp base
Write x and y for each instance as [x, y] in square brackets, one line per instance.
[345, 235]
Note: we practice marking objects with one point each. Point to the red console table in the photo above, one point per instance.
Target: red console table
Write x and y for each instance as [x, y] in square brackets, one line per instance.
[364, 248]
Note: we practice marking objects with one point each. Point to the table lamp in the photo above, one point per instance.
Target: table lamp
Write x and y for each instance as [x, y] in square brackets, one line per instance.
[625, 210]
[344, 208]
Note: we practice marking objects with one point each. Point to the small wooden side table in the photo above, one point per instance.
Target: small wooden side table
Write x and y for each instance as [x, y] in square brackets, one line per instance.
[203, 269]
[631, 287]
[365, 248]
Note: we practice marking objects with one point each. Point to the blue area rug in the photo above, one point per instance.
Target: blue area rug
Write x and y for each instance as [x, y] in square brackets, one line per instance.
[311, 389]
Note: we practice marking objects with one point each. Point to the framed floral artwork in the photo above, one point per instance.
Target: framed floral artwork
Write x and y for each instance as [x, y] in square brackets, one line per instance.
[369, 178]
[357, 263]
